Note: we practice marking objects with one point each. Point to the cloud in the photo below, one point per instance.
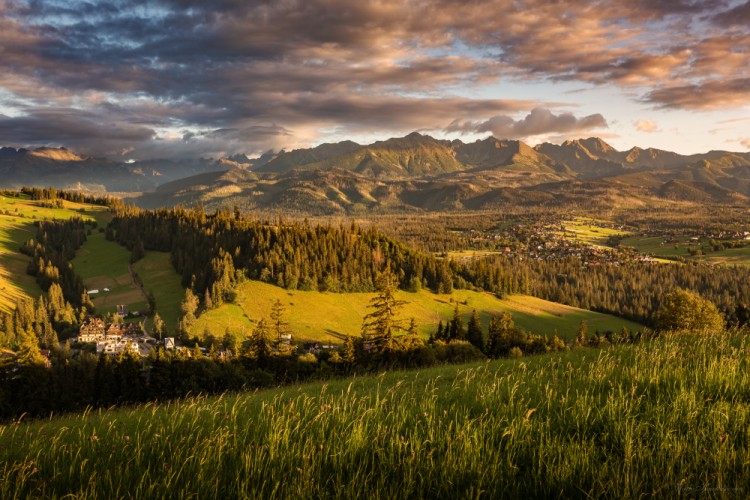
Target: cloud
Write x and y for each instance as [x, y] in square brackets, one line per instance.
[307, 66]
[746, 143]
[647, 126]
[539, 121]
[705, 95]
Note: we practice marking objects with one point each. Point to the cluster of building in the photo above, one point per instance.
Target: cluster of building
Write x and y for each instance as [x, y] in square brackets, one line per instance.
[113, 338]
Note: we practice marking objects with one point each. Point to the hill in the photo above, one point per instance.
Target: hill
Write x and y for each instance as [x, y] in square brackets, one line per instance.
[668, 416]
[17, 217]
[314, 315]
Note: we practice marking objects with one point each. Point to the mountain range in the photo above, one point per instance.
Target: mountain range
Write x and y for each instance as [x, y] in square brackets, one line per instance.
[415, 172]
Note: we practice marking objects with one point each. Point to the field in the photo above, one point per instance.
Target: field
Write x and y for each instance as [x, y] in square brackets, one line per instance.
[104, 264]
[589, 231]
[312, 314]
[656, 245]
[17, 218]
[668, 418]
[160, 278]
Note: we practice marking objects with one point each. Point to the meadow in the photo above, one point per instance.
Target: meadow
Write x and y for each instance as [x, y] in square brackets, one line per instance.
[17, 219]
[590, 231]
[655, 245]
[311, 315]
[669, 417]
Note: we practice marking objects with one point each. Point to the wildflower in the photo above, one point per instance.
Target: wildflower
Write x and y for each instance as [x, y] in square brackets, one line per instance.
[127, 438]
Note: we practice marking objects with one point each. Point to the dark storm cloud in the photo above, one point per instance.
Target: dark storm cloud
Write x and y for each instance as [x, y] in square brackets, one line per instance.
[369, 65]
[540, 121]
[67, 126]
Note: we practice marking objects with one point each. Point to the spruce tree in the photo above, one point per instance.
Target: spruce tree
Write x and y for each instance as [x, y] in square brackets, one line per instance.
[581, 335]
[456, 327]
[28, 349]
[262, 341]
[474, 332]
[349, 351]
[382, 324]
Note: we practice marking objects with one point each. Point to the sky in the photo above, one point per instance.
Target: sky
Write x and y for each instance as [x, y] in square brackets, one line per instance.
[138, 79]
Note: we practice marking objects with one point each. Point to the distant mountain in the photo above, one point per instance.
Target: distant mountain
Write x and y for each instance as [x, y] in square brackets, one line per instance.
[418, 172]
[63, 168]
[415, 172]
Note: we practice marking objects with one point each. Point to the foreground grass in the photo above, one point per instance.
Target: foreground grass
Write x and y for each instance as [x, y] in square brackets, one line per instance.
[667, 418]
[312, 314]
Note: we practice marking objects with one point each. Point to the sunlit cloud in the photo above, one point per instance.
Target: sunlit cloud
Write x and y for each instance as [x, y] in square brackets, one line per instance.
[243, 76]
[647, 126]
[539, 121]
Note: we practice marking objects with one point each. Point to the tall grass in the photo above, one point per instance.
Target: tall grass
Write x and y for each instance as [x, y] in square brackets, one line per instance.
[670, 417]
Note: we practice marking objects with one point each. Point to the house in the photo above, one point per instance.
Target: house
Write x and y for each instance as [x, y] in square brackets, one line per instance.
[122, 310]
[91, 330]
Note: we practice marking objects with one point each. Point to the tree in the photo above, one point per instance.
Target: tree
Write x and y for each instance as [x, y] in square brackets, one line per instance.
[456, 327]
[685, 310]
[349, 351]
[188, 307]
[262, 341]
[28, 349]
[381, 325]
[581, 335]
[498, 336]
[474, 332]
[412, 339]
[159, 326]
[229, 342]
[279, 326]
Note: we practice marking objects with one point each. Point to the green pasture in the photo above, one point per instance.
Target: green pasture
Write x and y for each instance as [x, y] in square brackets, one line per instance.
[589, 231]
[311, 315]
[659, 247]
[104, 264]
[17, 219]
[159, 277]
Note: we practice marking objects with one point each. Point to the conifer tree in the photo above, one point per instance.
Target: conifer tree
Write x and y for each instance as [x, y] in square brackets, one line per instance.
[581, 335]
[262, 341]
[28, 349]
[412, 339]
[279, 326]
[349, 351]
[456, 327]
[474, 332]
[382, 324]
[188, 307]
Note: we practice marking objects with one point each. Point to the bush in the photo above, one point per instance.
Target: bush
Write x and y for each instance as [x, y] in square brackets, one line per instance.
[684, 310]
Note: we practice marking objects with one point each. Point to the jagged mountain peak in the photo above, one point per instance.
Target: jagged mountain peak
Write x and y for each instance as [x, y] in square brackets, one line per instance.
[57, 154]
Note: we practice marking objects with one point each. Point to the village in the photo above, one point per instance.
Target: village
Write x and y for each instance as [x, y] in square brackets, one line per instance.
[116, 337]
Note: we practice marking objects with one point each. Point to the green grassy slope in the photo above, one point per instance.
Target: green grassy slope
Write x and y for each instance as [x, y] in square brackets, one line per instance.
[104, 264]
[655, 245]
[160, 278]
[667, 418]
[312, 314]
[17, 218]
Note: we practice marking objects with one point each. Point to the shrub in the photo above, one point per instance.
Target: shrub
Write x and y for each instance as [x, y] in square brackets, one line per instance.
[684, 310]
